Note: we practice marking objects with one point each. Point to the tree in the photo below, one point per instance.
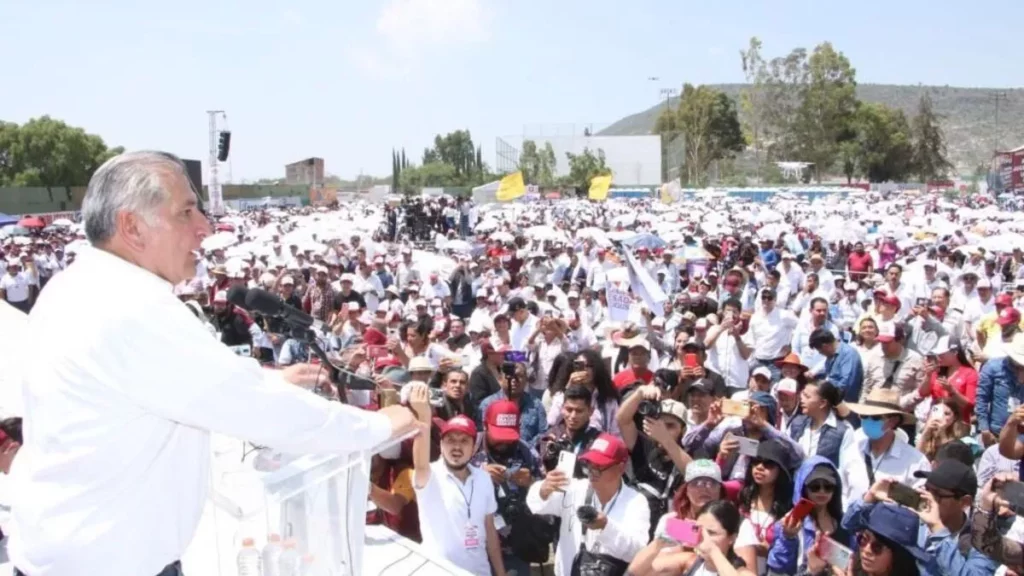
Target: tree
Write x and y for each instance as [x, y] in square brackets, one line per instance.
[431, 174]
[929, 142]
[754, 98]
[783, 89]
[885, 151]
[583, 167]
[538, 166]
[828, 102]
[706, 120]
[457, 150]
[396, 170]
[48, 152]
[404, 163]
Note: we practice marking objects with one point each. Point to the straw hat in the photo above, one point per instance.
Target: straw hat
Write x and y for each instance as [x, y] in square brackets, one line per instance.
[882, 402]
[1015, 350]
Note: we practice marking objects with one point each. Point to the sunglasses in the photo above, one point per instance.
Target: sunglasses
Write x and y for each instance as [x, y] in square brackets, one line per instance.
[867, 540]
[765, 463]
[821, 486]
[875, 417]
[767, 298]
[704, 483]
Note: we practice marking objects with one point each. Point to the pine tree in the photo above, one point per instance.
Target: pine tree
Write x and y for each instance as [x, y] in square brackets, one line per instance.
[930, 160]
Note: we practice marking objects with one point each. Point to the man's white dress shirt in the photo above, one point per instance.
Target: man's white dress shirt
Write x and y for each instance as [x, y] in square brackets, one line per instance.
[629, 522]
[114, 471]
[452, 515]
[14, 323]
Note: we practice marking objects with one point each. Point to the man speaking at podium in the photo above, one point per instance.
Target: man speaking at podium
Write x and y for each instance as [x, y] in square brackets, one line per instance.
[122, 387]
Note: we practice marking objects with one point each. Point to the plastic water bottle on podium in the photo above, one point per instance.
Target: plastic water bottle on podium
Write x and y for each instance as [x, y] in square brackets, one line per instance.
[289, 561]
[249, 559]
[272, 556]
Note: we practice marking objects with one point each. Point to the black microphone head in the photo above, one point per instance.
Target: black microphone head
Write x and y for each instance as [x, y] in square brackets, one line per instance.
[237, 294]
[266, 303]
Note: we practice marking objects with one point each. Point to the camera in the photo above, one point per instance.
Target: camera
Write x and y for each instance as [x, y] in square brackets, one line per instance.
[551, 451]
[649, 409]
[586, 514]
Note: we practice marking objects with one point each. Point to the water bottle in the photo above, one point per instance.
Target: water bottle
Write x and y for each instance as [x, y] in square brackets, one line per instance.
[249, 559]
[272, 556]
[289, 561]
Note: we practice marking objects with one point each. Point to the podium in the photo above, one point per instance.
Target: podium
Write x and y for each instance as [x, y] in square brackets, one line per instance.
[319, 502]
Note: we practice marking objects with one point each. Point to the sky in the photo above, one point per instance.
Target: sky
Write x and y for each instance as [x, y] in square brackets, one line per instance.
[348, 80]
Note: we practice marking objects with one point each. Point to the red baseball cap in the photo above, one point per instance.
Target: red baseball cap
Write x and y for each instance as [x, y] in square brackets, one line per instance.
[1008, 316]
[887, 298]
[1004, 299]
[461, 424]
[502, 421]
[605, 451]
[888, 332]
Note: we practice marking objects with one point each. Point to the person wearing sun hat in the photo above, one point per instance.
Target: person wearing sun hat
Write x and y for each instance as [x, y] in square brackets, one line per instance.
[887, 533]
[886, 454]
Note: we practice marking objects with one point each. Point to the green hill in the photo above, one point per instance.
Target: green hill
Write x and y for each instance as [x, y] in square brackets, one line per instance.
[969, 116]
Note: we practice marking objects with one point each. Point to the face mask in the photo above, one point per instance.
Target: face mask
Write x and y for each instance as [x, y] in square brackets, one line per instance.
[874, 429]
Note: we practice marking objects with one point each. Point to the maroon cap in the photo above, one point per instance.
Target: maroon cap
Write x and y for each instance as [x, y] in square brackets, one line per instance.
[1008, 316]
[887, 298]
[502, 421]
[1004, 299]
[459, 424]
[605, 451]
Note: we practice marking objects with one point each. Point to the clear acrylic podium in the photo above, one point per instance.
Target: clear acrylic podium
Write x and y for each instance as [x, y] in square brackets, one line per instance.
[318, 502]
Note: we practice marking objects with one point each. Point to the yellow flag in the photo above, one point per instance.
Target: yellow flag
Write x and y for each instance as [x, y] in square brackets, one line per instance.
[599, 186]
[666, 196]
[511, 187]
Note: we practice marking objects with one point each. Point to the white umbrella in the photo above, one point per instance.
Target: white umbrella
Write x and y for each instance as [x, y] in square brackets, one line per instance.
[63, 223]
[220, 241]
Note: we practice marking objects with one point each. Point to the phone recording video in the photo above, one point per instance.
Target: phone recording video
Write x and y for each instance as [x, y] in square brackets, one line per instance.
[905, 496]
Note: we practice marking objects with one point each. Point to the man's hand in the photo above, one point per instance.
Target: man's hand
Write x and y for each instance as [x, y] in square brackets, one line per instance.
[729, 445]
[879, 492]
[555, 480]
[649, 392]
[522, 478]
[930, 511]
[656, 430]
[496, 472]
[599, 523]
[419, 401]
[307, 376]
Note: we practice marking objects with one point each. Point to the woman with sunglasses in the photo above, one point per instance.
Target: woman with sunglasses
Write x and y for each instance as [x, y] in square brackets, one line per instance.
[886, 542]
[588, 369]
[817, 480]
[702, 484]
[767, 495]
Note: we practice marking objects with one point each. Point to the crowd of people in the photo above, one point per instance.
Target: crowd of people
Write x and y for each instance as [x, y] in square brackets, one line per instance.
[775, 396]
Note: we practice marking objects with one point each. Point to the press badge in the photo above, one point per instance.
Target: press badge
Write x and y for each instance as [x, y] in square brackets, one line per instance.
[472, 540]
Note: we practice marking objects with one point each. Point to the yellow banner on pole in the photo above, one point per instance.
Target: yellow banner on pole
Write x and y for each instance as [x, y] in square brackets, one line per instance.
[511, 187]
[599, 186]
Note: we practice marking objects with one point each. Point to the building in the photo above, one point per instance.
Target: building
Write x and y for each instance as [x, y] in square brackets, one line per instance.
[1009, 170]
[308, 172]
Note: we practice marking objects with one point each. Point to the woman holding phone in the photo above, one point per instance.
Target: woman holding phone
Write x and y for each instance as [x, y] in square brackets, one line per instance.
[767, 495]
[817, 507]
[702, 484]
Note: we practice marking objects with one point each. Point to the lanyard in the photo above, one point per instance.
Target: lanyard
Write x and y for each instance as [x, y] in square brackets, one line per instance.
[611, 503]
[469, 501]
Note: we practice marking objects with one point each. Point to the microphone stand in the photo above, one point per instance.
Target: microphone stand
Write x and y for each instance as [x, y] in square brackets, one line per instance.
[307, 336]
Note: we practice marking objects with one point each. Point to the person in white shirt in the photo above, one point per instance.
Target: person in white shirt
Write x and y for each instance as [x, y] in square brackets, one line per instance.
[16, 286]
[15, 324]
[523, 323]
[456, 500]
[118, 444]
[887, 455]
[771, 331]
[622, 522]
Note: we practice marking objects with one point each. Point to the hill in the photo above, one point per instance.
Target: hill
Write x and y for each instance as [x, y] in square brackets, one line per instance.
[969, 116]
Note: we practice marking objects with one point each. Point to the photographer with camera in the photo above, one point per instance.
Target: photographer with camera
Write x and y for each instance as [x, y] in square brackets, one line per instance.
[573, 432]
[604, 521]
[512, 380]
[513, 467]
[652, 429]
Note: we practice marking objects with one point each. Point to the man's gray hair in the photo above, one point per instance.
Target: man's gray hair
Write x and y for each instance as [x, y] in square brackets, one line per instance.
[133, 182]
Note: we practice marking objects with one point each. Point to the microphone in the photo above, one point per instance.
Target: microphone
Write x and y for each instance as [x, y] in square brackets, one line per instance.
[270, 304]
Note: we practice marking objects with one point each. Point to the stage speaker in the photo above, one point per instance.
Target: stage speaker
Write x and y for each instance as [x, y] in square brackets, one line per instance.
[194, 169]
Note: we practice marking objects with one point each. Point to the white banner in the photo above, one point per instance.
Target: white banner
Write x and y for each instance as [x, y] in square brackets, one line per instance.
[644, 286]
[618, 304]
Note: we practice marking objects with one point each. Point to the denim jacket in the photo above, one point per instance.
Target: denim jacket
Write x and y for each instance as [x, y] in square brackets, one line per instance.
[997, 384]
